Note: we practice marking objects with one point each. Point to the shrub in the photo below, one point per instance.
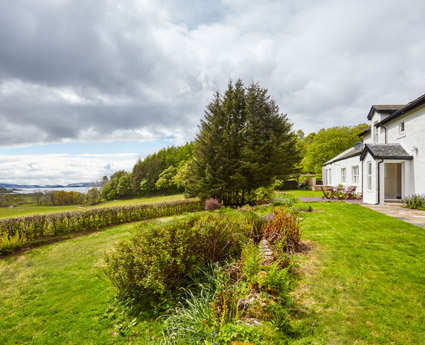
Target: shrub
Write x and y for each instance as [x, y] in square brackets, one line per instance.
[284, 200]
[9, 243]
[284, 230]
[160, 259]
[212, 205]
[262, 196]
[39, 226]
[416, 201]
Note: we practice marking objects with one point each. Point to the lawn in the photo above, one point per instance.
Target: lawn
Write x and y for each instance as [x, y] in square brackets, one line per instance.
[24, 210]
[303, 193]
[57, 294]
[363, 281]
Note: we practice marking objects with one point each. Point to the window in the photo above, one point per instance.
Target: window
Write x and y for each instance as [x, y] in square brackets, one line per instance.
[355, 173]
[343, 175]
[375, 132]
[401, 127]
[329, 177]
[369, 175]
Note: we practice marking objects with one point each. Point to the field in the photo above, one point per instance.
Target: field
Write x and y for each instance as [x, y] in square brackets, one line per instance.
[361, 282]
[24, 210]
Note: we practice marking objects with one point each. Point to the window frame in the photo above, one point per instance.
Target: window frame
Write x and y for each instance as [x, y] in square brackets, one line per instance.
[355, 174]
[369, 176]
[343, 175]
[402, 127]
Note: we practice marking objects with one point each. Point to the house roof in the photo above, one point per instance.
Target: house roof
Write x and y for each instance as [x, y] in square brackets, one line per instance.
[408, 107]
[385, 109]
[351, 152]
[362, 133]
[385, 151]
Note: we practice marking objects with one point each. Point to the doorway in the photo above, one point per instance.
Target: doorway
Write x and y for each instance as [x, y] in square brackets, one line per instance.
[392, 186]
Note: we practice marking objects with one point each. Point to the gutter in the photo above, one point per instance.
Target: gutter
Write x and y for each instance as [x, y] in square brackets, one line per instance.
[379, 182]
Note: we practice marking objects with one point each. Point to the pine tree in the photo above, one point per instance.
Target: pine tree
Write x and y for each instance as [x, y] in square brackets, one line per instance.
[243, 143]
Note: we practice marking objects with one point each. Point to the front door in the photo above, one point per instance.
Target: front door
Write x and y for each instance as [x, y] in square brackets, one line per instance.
[392, 182]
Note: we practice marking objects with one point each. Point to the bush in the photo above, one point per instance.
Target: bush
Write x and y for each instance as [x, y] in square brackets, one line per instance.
[212, 205]
[416, 201]
[284, 231]
[262, 196]
[9, 243]
[39, 226]
[284, 200]
[160, 259]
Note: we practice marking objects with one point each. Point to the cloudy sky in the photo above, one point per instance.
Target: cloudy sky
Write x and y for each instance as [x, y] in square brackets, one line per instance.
[87, 87]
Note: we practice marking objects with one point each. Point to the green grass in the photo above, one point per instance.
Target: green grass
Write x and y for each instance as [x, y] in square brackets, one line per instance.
[57, 294]
[24, 210]
[303, 193]
[364, 280]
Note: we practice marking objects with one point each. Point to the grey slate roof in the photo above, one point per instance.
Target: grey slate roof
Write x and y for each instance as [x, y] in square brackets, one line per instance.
[386, 109]
[408, 107]
[386, 151]
[362, 133]
[351, 152]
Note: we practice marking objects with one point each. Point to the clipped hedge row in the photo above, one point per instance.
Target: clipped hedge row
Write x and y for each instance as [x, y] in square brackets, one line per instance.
[38, 226]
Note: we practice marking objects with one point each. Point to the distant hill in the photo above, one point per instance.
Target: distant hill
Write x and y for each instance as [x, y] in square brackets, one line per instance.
[72, 185]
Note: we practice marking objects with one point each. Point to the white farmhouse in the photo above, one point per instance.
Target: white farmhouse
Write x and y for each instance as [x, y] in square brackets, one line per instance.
[389, 164]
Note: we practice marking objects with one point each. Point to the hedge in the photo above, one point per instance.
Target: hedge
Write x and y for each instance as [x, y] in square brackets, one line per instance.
[30, 228]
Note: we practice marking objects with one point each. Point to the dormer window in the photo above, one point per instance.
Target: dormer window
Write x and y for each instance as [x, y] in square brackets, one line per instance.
[401, 127]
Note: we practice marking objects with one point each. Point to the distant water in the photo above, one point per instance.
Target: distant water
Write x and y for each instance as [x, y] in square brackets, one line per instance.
[67, 189]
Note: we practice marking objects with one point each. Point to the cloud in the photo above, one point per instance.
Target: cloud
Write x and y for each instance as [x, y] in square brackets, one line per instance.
[62, 168]
[118, 70]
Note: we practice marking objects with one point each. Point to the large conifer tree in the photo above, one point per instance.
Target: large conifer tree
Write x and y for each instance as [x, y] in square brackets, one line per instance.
[243, 143]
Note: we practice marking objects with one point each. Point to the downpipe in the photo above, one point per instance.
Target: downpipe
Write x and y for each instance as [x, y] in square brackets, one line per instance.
[379, 182]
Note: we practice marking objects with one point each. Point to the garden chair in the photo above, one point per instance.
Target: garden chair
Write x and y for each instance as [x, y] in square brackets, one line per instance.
[327, 191]
[349, 192]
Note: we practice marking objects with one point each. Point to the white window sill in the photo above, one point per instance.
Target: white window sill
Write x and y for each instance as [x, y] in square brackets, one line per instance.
[402, 135]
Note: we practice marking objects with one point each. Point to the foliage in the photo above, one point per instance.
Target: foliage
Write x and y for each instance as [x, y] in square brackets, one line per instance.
[117, 186]
[287, 200]
[162, 172]
[38, 226]
[262, 195]
[244, 143]
[92, 197]
[160, 259]
[191, 320]
[120, 313]
[212, 205]
[10, 242]
[251, 259]
[284, 230]
[416, 201]
[328, 143]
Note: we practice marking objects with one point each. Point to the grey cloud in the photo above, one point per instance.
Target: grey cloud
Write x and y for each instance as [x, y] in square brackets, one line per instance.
[105, 69]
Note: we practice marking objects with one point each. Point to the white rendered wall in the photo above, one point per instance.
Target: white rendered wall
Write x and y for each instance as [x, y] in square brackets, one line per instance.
[336, 172]
[370, 195]
[413, 141]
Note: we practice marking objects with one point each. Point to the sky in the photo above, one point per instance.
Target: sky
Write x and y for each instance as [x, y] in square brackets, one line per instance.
[88, 87]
